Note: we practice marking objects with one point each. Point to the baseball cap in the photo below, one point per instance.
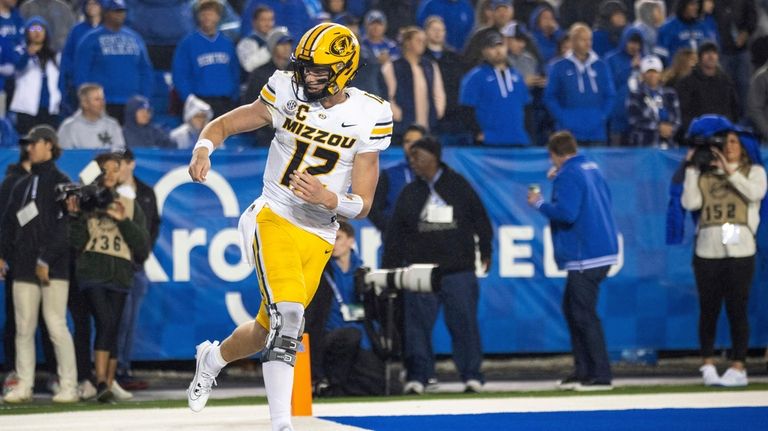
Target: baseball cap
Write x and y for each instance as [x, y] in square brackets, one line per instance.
[113, 5]
[277, 36]
[493, 38]
[651, 62]
[37, 133]
[499, 3]
[375, 15]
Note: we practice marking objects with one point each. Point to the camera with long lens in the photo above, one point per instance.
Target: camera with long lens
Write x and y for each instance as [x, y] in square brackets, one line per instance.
[91, 197]
[419, 278]
[703, 156]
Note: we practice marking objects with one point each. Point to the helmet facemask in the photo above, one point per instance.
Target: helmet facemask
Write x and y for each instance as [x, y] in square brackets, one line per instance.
[331, 86]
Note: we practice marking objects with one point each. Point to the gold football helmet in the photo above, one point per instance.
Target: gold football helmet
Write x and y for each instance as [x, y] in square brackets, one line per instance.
[326, 45]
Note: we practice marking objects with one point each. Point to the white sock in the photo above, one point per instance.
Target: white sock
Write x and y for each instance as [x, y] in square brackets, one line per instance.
[278, 376]
[278, 381]
[214, 361]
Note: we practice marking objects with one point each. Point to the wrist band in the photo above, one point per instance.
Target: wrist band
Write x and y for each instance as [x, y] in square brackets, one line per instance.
[204, 143]
[349, 205]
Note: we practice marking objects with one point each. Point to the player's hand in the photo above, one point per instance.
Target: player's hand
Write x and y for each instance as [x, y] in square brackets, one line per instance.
[199, 165]
[311, 190]
[41, 271]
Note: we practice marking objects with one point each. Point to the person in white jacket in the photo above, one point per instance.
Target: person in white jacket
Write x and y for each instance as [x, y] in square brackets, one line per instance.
[197, 114]
[727, 190]
[37, 97]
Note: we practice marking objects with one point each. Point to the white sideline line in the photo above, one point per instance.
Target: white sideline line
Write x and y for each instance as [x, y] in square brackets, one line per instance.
[255, 418]
[547, 404]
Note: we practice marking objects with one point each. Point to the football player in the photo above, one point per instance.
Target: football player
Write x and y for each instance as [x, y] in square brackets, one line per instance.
[328, 136]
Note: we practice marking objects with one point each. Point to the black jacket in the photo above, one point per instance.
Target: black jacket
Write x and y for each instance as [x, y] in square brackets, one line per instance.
[732, 17]
[12, 175]
[452, 246]
[700, 94]
[45, 236]
[145, 197]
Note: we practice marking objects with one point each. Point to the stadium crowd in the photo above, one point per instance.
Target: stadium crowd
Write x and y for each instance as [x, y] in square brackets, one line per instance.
[116, 75]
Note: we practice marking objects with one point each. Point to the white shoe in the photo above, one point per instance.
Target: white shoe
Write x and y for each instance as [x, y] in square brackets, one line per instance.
[413, 388]
[66, 396]
[473, 386]
[734, 378]
[120, 393]
[433, 386]
[18, 395]
[200, 387]
[710, 376]
[86, 390]
[10, 381]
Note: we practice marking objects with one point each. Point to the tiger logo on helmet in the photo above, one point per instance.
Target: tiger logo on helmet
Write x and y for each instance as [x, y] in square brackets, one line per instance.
[330, 45]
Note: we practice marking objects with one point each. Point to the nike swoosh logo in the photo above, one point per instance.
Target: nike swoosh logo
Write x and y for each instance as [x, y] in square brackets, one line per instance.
[327, 251]
[348, 125]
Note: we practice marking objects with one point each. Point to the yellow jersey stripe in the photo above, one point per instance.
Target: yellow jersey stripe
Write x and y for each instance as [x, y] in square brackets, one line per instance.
[269, 97]
[382, 131]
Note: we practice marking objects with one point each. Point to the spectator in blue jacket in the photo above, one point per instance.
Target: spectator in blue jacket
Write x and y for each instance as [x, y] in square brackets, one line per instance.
[113, 51]
[92, 12]
[546, 31]
[11, 22]
[609, 26]
[653, 110]
[585, 240]
[496, 95]
[684, 29]
[162, 24]
[375, 39]
[624, 63]
[288, 13]
[392, 180]
[458, 15]
[580, 93]
[205, 63]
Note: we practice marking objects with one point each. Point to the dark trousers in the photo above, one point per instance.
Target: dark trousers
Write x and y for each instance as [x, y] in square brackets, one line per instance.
[25, 122]
[107, 306]
[587, 339]
[728, 280]
[81, 319]
[458, 294]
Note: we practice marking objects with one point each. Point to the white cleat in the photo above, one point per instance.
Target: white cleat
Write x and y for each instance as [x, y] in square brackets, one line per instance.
[205, 378]
[734, 378]
[709, 375]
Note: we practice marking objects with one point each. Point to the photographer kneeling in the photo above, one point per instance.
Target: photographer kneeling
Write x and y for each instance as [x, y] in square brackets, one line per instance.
[343, 358]
[108, 237]
[726, 186]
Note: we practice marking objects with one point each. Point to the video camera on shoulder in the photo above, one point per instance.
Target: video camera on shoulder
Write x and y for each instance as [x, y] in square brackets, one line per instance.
[90, 192]
[703, 145]
[418, 278]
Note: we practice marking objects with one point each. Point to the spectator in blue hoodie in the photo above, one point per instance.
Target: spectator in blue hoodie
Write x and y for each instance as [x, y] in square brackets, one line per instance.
[609, 27]
[458, 15]
[546, 31]
[496, 96]
[586, 244]
[113, 51]
[580, 93]
[91, 19]
[138, 130]
[205, 63]
[11, 22]
[36, 98]
[684, 29]
[162, 24]
[625, 69]
[288, 13]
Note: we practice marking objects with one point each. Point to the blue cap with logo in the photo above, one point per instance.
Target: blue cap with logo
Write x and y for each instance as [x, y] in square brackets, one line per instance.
[113, 5]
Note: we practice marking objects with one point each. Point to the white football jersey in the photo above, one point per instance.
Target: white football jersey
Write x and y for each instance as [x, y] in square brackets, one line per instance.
[323, 142]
